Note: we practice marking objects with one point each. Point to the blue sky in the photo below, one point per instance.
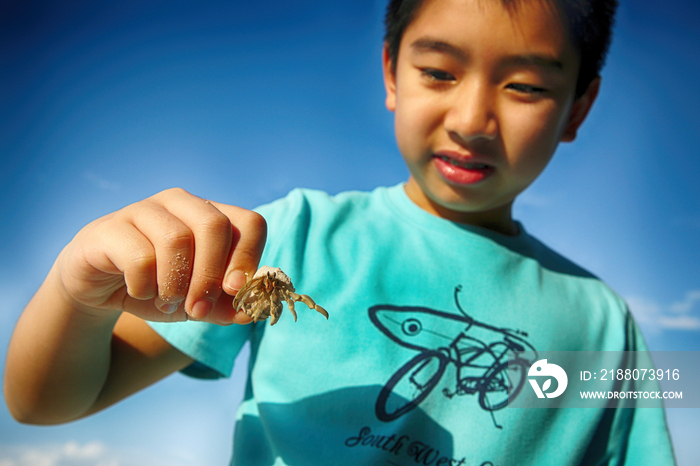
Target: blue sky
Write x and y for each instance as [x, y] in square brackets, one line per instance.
[104, 104]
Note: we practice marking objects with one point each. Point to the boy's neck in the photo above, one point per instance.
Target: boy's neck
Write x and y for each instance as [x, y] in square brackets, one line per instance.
[499, 220]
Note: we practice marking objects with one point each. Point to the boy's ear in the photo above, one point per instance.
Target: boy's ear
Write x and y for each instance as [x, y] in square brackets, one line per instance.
[389, 79]
[580, 109]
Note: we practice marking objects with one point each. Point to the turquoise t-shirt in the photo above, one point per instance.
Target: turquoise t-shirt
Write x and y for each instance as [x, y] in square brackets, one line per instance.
[411, 367]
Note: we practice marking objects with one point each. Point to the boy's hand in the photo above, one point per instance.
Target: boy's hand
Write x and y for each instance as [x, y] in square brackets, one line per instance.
[170, 257]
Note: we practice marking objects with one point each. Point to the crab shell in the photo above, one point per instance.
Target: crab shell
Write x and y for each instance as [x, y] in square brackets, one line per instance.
[262, 296]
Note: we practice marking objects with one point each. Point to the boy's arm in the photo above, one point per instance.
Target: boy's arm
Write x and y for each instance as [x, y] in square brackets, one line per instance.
[63, 365]
[81, 344]
[140, 357]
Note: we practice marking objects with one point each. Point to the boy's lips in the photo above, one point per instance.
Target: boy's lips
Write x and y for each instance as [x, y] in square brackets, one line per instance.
[461, 170]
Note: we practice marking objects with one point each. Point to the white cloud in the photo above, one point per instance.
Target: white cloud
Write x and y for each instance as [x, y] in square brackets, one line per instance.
[75, 454]
[68, 454]
[680, 322]
[692, 299]
[679, 315]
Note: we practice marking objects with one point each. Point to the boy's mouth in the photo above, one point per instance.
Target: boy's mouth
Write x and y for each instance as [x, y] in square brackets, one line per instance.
[463, 164]
[461, 171]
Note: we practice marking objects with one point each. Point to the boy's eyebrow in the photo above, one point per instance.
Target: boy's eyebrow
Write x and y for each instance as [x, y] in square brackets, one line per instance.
[427, 44]
[545, 61]
[548, 62]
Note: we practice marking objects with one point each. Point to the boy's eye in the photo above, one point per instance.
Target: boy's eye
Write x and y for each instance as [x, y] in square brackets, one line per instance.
[437, 75]
[526, 88]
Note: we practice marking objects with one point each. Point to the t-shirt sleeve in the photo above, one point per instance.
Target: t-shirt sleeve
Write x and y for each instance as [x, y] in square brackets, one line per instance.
[647, 440]
[213, 347]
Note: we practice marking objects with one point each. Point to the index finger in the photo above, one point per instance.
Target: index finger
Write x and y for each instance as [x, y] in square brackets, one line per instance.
[248, 241]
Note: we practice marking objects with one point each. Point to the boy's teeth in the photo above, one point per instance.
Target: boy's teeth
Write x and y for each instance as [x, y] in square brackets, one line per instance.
[467, 165]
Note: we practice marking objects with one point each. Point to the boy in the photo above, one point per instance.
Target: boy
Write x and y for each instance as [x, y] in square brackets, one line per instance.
[482, 92]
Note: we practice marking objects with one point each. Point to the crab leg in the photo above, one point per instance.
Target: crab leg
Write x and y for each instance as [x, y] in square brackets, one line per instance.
[310, 303]
[290, 305]
[258, 309]
[243, 295]
[275, 309]
[274, 318]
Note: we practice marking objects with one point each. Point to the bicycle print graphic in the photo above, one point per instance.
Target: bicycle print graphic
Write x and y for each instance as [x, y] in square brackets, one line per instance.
[490, 362]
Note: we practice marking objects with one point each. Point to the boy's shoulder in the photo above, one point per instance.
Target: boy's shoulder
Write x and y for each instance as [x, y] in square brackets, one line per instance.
[300, 204]
[318, 197]
[554, 261]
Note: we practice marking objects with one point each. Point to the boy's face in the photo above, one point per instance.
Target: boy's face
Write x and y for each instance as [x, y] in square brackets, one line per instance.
[482, 97]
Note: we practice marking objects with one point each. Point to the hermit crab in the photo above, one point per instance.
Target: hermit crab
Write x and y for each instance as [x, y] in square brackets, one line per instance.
[261, 297]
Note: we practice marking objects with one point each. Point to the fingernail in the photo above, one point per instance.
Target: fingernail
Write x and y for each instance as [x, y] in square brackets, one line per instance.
[167, 307]
[235, 279]
[201, 309]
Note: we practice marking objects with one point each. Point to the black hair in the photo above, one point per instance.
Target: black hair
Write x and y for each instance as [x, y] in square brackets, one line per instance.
[590, 24]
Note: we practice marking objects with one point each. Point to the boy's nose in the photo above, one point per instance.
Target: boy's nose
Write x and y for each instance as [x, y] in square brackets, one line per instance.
[471, 113]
